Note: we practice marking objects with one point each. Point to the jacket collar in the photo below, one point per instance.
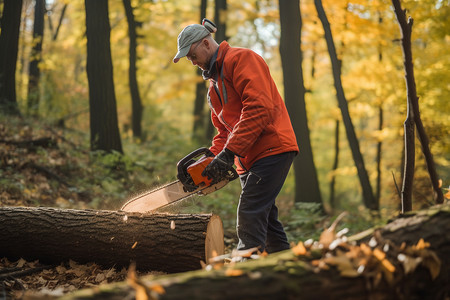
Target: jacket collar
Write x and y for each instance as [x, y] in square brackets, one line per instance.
[216, 62]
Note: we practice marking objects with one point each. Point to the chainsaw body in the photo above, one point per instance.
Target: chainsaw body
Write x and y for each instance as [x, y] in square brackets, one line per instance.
[190, 181]
[190, 170]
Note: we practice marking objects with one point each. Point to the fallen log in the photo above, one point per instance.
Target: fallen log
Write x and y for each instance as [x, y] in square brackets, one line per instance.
[301, 274]
[158, 242]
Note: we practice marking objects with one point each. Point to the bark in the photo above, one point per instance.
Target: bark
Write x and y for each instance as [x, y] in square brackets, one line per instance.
[379, 153]
[136, 103]
[9, 46]
[164, 242]
[413, 111]
[368, 196]
[333, 201]
[286, 276]
[36, 57]
[380, 126]
[220, 17]
[306, 182]
[102, 99]
[61, 18]
[200, 117]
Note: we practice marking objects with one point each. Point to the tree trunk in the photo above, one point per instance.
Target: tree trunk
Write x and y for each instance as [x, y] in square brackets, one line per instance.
[163, 242]
[368, 196]
[9, 46]
[36, 57]
[220, 19]
[379, 152]
[102, 99]
[287, 276]
[413, 110]
[200, 118]
[306, 183]
[136, 104]
[333, 200]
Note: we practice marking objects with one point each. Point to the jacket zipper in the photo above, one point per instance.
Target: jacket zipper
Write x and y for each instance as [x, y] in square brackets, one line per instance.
[227, 126]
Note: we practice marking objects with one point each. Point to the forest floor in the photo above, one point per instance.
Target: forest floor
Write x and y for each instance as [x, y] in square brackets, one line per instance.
[51, 166]
[40, 167]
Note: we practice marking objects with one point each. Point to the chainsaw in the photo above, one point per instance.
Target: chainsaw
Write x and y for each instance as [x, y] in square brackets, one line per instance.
[190, 182]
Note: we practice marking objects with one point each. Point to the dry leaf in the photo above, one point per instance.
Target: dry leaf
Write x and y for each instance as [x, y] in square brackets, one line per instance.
[299, 249]
[100, 277]
[421, 244]
[447, 195]
[343, 264]
[21, 262]
[366, 249]
[380, 255]
[233, 272]
[141, 290]
[388, 266]
[157, 288]
[433, 264]
[326, 238]
[409, 263]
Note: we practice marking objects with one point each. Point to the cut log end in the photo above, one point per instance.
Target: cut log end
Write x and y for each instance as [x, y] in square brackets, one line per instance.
[214, 245]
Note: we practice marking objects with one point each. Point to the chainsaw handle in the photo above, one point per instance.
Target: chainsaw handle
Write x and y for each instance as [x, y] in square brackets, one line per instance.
[185, 162]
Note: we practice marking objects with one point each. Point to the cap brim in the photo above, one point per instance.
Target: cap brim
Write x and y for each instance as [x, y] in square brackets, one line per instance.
[181, 53]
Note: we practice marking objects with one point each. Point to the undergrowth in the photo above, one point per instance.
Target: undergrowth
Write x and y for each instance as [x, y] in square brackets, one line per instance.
[68, 175]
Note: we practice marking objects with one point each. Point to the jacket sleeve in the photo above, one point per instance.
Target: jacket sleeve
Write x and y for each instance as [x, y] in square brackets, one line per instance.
[252, 81]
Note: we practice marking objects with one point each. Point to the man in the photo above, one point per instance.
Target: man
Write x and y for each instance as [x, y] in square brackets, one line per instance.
[254, 131]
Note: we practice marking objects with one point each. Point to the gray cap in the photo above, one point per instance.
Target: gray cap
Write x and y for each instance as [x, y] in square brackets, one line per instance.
[188, 36]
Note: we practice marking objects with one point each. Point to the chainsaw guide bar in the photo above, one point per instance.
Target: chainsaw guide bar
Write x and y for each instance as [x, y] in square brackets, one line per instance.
[166, 195]
[191, 182]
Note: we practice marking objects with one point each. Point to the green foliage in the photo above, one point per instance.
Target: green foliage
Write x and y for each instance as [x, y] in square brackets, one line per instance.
[304, 221]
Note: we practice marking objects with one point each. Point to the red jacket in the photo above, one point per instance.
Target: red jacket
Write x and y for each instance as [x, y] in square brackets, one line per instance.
[247, 110]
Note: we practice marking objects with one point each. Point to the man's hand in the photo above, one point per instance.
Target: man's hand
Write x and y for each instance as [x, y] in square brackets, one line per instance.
[218, 168]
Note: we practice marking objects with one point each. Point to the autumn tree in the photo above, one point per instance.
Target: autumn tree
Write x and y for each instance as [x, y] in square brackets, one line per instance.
[136, 103]
[200, 117]
[9, 41]
[102, 100]
[306, 183]
[34, 73]
[368, 197]
[413, 119]
[220, 11]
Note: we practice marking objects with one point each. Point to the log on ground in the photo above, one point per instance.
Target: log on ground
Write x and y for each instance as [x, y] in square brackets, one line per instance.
[157, 242]
[329, 275]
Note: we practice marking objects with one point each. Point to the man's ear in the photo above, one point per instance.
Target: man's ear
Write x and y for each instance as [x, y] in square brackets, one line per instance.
[206, 43]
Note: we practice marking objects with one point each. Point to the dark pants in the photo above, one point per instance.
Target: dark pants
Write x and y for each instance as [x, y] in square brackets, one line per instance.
[257, 214]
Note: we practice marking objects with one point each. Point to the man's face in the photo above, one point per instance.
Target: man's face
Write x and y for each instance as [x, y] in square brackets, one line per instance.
[198, 55]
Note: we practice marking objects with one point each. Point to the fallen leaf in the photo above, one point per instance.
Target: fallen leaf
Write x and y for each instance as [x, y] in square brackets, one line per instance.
[421, 244]
[159, 289]
[388, 266]
[100, 277]
[21, 262]
[233, 272]
[299, 249]
[409, 263]
[380, 255]
[433, 264]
